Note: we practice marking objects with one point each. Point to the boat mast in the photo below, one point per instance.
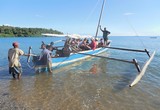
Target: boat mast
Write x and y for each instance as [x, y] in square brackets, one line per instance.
[100, 18]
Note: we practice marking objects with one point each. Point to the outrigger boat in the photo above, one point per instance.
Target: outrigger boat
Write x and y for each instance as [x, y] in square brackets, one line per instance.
[67, 56]
[70, 57]
[73, 56]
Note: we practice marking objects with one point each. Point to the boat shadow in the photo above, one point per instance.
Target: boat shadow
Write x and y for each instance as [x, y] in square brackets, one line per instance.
[123, 81]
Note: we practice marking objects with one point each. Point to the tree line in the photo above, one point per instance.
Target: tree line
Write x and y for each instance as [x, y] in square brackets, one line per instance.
[9, 31]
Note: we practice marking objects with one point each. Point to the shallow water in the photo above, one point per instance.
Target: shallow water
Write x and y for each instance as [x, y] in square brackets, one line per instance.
[93, 84]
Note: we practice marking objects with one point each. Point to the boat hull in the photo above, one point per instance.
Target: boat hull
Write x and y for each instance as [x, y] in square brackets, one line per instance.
[64, 61]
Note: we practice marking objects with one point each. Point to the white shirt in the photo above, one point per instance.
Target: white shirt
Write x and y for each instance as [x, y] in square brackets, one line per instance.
[13, 57]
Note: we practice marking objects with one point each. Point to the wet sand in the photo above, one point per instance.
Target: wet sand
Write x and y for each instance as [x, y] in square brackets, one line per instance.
[96, 84]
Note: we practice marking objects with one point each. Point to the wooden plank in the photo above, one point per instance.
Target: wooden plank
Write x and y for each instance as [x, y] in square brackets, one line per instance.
[139, 76]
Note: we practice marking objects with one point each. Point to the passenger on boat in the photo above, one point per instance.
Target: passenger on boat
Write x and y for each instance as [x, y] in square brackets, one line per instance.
[73, 41]
[78, 42]
[75, 45]
[66, 50]
[87, 42]
[101, 44]
[93, 44]
[46, 57]
[84, 45]
[96, 40]
[14, 61]
[105, 35]
[51, 47]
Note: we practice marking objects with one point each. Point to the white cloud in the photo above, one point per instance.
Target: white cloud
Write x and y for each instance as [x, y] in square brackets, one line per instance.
[128, 13]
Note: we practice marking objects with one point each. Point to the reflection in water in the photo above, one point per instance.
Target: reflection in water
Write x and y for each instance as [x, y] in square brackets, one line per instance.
[93, 70]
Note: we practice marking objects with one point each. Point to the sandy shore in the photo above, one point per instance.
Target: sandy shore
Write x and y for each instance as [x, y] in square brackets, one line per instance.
[7, 103]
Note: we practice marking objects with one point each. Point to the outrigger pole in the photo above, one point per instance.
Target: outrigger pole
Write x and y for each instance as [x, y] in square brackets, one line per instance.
[126, 49]
[134, 61]
[100, 18]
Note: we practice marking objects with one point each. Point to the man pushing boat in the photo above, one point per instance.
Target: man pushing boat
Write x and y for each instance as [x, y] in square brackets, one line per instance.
[46, 57]
[14, 61]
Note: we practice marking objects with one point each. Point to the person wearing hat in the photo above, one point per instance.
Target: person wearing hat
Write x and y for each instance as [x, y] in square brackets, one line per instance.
[14, 60]
[105, 35]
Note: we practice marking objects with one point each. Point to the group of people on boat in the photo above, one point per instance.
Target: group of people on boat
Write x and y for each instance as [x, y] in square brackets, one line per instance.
[86, 45]
[80, 45]
[71, 45]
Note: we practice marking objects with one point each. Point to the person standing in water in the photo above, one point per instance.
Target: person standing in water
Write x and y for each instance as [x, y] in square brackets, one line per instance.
[14, 60]
[105, 35]
[46, 57]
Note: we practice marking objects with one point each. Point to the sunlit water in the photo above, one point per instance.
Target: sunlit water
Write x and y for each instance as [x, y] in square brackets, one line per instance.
[93, 84]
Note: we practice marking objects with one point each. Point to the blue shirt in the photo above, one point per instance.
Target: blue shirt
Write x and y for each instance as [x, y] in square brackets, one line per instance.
[45, 56]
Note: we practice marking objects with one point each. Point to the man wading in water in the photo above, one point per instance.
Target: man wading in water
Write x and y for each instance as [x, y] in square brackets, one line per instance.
[14, 61]
[46, 57]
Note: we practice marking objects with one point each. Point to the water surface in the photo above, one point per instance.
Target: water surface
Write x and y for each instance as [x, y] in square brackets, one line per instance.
[93, 84]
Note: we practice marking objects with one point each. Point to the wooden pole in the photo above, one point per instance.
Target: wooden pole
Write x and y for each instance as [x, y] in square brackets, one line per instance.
[100, 18]
[29, 52]
[126, 49]
[105, 57]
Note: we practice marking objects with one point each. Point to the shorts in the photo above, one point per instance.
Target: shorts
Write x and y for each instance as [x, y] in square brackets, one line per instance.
[15, 70]
[105, 39]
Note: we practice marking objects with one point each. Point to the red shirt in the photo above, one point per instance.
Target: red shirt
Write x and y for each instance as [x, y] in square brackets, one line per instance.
[93, 45]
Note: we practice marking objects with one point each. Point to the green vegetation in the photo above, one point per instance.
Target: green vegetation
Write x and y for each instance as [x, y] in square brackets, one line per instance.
[9, 31]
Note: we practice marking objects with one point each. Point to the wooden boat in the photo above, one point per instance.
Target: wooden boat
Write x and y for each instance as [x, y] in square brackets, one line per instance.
[66, 57]
[64, 60]
[153, 37]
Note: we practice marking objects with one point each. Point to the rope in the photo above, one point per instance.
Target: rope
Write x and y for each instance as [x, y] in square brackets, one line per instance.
[135, 32]
[31, 67]
[89, 15]
[93, 10]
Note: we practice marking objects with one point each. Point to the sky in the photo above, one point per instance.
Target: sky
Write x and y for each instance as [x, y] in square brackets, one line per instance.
[120, 17]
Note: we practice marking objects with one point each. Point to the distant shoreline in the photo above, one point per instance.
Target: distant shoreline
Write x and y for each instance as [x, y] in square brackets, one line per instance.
[153, 37]
[10, 31]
